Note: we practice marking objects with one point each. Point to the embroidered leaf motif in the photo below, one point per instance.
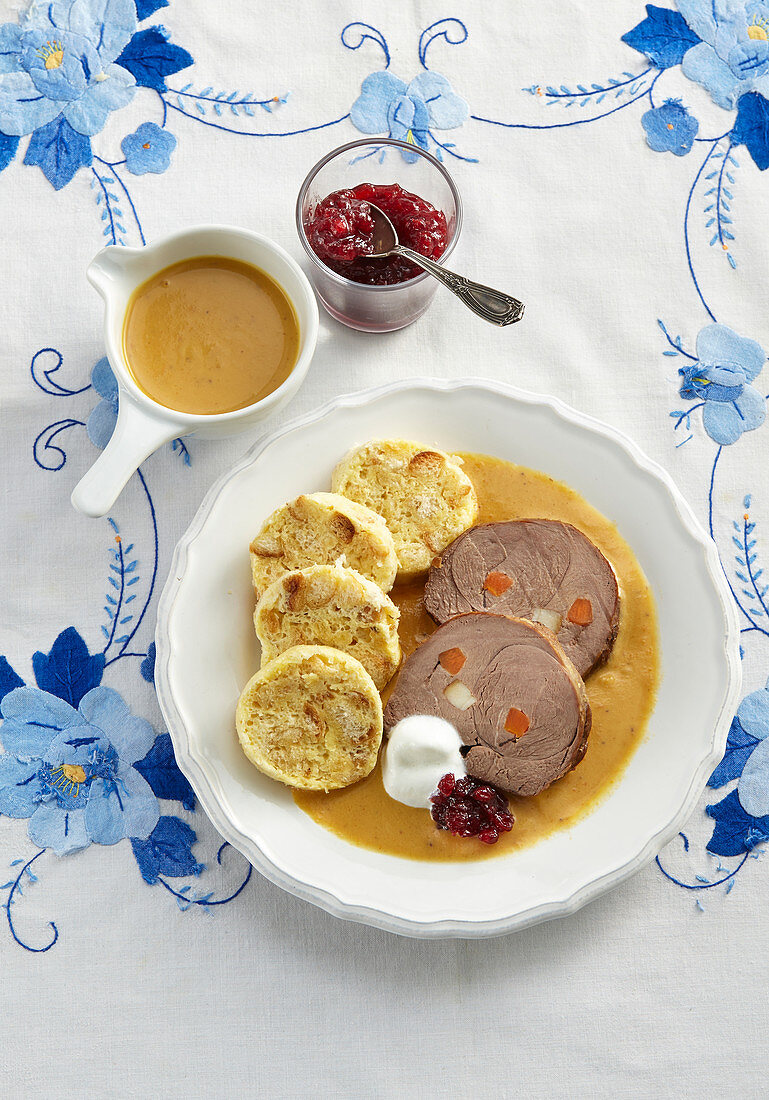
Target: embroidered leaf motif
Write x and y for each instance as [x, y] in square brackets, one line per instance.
[739, 746]
[69, 670]
[146, 8]
[167, 851]
[147, 667]
[8, 146]
[179, 445]
[161, 771]
[664, 36]
[736, 831]
[58, 151]
[8, 679]
[150, 57]
[752, 127]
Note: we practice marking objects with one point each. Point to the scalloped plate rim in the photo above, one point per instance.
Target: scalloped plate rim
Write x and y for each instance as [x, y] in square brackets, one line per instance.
[205, 786]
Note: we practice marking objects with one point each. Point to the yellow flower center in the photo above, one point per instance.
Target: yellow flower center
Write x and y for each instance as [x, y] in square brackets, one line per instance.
[52, 54]
[74, 772]
[67, 778]
[759, 29]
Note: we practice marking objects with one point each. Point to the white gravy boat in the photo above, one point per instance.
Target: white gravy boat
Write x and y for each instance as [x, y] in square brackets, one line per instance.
[143, 425]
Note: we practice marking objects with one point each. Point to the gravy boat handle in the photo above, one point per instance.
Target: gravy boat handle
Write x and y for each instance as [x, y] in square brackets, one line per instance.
[137, 434]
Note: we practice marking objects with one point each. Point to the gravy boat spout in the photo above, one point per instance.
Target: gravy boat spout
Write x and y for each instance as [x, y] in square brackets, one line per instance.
[115, 269]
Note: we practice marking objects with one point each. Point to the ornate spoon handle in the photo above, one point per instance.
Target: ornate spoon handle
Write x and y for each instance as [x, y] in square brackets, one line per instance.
[492, 305]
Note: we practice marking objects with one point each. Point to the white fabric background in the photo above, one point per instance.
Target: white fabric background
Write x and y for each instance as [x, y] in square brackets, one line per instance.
[640, 994]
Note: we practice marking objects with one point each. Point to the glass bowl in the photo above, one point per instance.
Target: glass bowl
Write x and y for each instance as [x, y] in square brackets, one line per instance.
[359, 305]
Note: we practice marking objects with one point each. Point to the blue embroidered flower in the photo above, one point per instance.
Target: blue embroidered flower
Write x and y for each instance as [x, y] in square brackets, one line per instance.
[747, 754]
[732, 57]
[58, 62]
[148, 149]
[407, 112]
[753, 713]
[670, 128]
[71, 771]
[753, 785]
[726, 365]
[101, 423]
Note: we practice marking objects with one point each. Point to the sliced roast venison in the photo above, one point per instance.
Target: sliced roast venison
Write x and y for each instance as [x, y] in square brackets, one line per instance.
[517, 701]
[536, 569]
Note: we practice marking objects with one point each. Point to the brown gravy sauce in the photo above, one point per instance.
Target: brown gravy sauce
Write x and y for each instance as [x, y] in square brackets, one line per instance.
[210, 335]
[621, 693]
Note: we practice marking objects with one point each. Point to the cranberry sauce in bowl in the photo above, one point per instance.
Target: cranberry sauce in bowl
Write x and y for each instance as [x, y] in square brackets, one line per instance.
[336, 229]
[341, 232]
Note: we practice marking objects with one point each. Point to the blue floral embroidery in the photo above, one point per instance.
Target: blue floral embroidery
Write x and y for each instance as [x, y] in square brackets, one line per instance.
[723, 47]
[408, 112]
[58, 151]
[151, 58]
[64, 68]
[732, 57]
[742, 817]
[670, 128]
[70, 771]
[59, 61]
[77, 764]
[148, 149]
[147, 667]
[663, 36]
[719, 377]
[747, 758]
[159, 769]
[752, 128]
[736, 830]
[101, 423]
[168, 851]
[83, 769]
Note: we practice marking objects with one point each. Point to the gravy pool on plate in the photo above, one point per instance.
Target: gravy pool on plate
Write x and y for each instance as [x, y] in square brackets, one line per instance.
[621, 692]
[210, 335]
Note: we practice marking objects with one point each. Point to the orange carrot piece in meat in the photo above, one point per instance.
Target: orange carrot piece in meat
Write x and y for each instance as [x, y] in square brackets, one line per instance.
[452, 660]
[497, 583]
[516, 722]
[581, 612]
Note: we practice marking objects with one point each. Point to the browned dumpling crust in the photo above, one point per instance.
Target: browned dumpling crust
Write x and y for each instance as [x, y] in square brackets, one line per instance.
[312, 719]
[334, 606]
[319, 529]
[423, 494]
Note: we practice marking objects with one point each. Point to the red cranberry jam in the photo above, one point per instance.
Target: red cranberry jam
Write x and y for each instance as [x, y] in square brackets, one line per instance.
[467, 807]
[341, 230]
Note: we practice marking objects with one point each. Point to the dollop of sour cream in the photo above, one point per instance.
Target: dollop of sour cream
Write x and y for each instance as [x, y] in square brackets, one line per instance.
[420, 750]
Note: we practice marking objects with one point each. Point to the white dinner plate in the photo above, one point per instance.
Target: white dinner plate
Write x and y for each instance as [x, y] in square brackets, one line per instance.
[206, 651]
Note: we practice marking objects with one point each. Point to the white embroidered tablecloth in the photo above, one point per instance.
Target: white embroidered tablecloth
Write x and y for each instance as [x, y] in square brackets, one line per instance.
[612, 162]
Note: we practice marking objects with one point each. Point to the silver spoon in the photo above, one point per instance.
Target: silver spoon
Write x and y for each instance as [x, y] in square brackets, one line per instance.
[491, 305]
